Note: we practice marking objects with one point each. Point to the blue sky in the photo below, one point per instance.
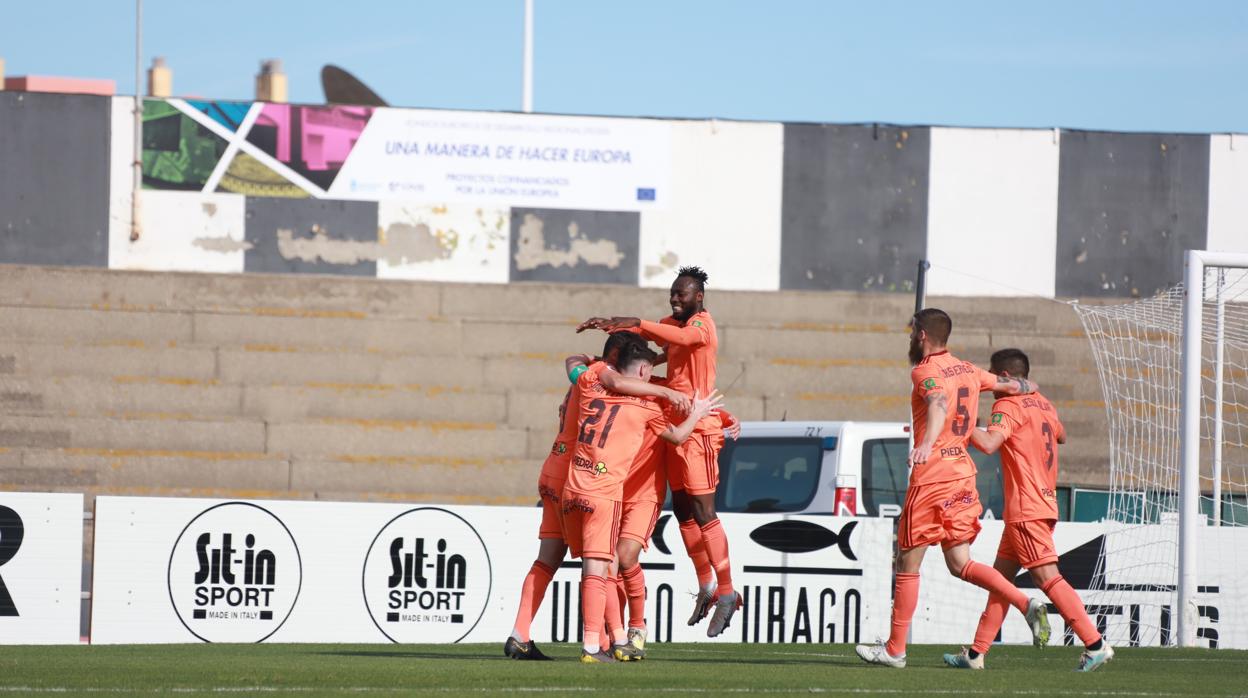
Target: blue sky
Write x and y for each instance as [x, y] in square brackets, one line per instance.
[1134, 65]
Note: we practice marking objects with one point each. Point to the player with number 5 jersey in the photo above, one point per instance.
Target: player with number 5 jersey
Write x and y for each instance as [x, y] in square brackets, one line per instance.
[942, 505]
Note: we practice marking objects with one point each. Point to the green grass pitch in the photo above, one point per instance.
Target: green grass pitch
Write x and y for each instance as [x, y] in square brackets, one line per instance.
[345, 670]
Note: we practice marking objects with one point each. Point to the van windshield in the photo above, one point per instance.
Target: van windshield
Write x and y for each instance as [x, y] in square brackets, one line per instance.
[768, 474]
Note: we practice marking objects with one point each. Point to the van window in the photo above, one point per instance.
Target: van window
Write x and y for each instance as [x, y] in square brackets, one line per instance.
[884, 474]
[764, 475]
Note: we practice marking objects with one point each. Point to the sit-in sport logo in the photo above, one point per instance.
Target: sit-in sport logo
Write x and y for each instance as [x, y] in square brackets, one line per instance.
[234, 573]
[427, 577]
[997, 417]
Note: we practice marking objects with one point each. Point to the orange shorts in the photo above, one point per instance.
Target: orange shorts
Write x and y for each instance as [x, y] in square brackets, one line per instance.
[1029, 543]
[942, 512]
[637, 521]
[693, 466]
[591, 525]
[551, 527]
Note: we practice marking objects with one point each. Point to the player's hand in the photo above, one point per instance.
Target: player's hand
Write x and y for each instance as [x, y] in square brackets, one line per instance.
[733, 430]
[617, 324]
[920, 454]
[594, 323]
[679, 401]
[709, 405]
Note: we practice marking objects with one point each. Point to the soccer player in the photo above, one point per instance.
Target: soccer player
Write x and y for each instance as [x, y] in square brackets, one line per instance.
[690, 344]
[942, 505]
[551, 480]
[644, 491]
[1027, 431]
[612, 430]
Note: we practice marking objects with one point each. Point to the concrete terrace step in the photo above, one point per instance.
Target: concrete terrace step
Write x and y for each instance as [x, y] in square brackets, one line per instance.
[310, 295]
[259, 476]
[318, 437]
[84, 396]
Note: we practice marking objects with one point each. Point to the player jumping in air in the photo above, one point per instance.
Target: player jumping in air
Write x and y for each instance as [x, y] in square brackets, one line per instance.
[1027, 431]
[553, 475]
[690, 344]
[612, 431]
[942, 505]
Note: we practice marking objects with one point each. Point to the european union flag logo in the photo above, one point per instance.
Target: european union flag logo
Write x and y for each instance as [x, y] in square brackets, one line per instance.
[645, 194]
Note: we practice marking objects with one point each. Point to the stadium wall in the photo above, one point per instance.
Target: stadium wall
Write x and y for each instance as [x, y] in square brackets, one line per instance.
[485, 197]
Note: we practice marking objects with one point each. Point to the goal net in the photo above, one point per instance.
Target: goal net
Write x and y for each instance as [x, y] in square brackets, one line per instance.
[1163, 579]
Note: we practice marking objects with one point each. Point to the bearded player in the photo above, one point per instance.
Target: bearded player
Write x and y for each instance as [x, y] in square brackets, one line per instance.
[1027, 431]
[612, 431]
[552, 546]
[942, 505]
[690, 344]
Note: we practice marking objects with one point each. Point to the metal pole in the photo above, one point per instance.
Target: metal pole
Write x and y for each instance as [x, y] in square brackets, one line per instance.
[920, 285]
[1219, 359]
[136, 227]
[527, 105]
[1189, 444]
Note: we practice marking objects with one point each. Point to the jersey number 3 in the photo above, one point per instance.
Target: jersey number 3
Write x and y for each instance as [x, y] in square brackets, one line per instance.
[1048, 444]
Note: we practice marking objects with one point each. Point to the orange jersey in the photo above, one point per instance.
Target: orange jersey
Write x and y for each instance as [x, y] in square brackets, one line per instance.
[647, 479]
[555, 467]
[1028, 455]
[961, 383]
[612, 430]
[691, 348]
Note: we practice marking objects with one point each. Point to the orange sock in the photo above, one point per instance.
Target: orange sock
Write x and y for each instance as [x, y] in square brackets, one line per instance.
[531, 595]
[692, 535]
[614, 613]
[990, 623]
[635, 588]
[905, 600]
[593, 603]
[1071, 607]
[717, 551]
[986, 577]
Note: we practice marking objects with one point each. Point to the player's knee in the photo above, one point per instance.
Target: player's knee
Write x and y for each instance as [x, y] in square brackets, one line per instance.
[627, 555]
[681, 507]
[955, 567]
[704, 510]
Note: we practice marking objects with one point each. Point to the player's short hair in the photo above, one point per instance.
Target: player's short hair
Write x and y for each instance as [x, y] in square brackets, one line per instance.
[1012, 361]
[617, 341]
[936, 323]
[634, 352]
[696, 273]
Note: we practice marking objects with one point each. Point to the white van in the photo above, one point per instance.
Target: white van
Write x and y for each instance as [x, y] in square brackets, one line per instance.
[851, 468]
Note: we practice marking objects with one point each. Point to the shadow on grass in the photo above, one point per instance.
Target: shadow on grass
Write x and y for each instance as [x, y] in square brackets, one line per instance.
[657, 656]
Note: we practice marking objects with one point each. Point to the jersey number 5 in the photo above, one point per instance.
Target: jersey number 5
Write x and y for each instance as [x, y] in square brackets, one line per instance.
[961, 417]
[597, 409]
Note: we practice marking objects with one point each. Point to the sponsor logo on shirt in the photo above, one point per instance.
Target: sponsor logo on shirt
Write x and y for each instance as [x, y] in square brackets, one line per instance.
[997, 417]
[952, 453]
[929, 384]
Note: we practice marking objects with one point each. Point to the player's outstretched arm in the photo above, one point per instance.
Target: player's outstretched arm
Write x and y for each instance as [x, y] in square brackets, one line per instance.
[594, 323]
[937, 409]
[987, 441]
[627, 385]
[1014, 386]
[701, 408]
[691, 335]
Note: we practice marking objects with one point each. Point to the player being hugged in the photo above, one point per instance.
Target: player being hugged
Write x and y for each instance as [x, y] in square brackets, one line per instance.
[942, 505]
[1027, 431]
[554, 473]
[612, 431]
[690, 345]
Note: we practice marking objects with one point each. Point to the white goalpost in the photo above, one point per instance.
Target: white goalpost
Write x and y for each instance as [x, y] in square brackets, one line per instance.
[1174, 372]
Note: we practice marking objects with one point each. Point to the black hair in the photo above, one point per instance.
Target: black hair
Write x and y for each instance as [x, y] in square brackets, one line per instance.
[1012, 361]
[633, 352]
[936, 323]
[617, 341]
[695, 273]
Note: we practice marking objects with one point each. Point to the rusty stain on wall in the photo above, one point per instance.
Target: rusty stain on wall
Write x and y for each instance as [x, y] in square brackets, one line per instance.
[532, 252]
